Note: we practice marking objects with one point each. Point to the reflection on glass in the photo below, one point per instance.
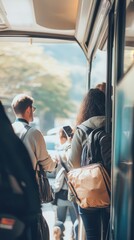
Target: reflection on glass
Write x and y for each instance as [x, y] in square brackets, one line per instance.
[129, 37]
[122, 176]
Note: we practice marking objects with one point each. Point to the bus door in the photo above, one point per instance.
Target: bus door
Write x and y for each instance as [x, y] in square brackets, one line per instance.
[123, 120]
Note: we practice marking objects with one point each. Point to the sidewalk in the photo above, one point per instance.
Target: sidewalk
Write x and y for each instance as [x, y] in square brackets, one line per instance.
[49, 214]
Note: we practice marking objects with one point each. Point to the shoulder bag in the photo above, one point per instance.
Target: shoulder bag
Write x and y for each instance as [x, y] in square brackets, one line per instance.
[90, 186]
[45, 189]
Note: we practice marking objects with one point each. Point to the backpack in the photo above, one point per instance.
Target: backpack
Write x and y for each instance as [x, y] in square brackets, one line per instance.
[97, 147]
[19, 195]
[90, 184]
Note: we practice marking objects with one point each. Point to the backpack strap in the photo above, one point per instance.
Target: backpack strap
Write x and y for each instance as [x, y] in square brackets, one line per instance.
[84, 154]
[85, 129]
[64, 165]
[104, 140]
[26, 128]
[95, 143]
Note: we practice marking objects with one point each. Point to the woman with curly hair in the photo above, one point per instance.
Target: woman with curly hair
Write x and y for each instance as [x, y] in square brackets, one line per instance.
[92, 115]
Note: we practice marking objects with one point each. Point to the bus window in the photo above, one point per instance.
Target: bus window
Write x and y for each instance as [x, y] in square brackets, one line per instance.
[98, 71]
[129, 37]
[54, 74]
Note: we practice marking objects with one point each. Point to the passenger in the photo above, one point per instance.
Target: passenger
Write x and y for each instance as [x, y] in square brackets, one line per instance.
[101, 86]
[63, 204]
[19, 195]
[91, 114]
[23, 109]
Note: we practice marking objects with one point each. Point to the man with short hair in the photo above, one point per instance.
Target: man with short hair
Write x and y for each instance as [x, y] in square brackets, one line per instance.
[33, 139]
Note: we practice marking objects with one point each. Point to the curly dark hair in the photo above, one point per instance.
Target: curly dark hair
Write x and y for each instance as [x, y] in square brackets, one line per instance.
[93, 105]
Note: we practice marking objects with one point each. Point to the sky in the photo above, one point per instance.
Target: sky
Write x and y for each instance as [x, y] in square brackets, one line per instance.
[72, 56]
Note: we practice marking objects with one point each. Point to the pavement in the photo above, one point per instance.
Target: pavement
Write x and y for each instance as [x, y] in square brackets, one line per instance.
[49, 213]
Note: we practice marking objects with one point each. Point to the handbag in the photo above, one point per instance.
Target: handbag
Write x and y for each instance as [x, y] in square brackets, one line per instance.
[90, 185]
[45, 189]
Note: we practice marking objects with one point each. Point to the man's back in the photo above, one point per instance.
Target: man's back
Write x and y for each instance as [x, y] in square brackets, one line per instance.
[23, 109]
[35, 144]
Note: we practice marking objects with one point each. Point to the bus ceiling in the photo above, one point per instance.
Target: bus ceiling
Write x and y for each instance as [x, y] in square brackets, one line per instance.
[83, 21]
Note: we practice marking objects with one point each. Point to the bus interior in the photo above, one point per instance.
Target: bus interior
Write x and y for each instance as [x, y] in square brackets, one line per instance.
[101, 26]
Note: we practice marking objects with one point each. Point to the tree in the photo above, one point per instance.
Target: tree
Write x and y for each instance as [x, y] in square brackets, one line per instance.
[27, 68]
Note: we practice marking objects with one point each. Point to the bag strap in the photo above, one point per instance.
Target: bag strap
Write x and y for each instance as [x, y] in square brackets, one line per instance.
[93, 145]
[26, 127]
[42, 172]
[65, 171]
[106, 179]
[64, 165]
[85, 129]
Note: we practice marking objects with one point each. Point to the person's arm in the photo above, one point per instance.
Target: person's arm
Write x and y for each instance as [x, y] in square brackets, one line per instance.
[39, 147]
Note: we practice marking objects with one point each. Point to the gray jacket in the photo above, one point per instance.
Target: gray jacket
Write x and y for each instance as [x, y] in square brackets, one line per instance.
[74, 158]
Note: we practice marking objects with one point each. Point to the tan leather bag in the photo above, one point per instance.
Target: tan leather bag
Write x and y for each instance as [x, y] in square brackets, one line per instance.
[90, 185]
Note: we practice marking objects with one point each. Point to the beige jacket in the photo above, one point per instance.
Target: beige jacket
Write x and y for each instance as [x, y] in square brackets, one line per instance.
[36, 146]
[74, 158]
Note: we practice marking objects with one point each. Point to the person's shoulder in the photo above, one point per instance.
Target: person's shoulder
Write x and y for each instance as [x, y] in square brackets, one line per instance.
[83, 130]
[78, 134]
[18, 126]
[35, 135]
[34, 131]
[84, 127]
[16, 123]
[87, 123]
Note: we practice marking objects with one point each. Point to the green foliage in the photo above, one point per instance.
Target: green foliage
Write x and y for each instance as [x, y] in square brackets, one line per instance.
[28, 69]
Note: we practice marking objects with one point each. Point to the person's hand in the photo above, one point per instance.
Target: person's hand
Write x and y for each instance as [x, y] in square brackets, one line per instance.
[69, 139]
[56, 159]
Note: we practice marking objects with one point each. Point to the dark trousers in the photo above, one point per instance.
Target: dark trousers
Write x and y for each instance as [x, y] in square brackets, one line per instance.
[95, 222]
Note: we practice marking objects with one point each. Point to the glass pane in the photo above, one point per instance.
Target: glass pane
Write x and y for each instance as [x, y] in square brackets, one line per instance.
[98, 73]
[129, 37]
[54, 74]
[123, 158]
